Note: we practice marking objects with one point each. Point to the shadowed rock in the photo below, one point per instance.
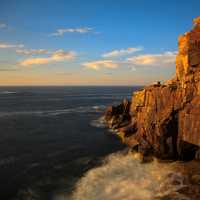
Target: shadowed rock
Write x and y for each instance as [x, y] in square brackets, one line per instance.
[118, 116]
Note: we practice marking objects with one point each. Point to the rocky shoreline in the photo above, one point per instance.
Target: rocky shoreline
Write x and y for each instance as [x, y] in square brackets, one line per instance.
[163, 120]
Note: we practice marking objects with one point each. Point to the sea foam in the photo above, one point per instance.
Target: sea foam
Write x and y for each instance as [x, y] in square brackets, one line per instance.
[123, 177]
[98, 123]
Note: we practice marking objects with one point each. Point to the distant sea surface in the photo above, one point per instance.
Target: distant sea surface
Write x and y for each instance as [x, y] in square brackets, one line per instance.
[50, 136]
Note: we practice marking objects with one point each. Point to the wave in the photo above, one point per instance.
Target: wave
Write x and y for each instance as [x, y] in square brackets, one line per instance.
[8, 160]
[123, 177]
[99, 123]
[46, 113]
[55, 99]
[8, 92]
[99, 107]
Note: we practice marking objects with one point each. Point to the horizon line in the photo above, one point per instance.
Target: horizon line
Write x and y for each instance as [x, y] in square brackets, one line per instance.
[70, 85]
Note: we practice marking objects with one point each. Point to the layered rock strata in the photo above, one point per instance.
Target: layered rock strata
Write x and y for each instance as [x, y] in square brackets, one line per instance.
[164, 119]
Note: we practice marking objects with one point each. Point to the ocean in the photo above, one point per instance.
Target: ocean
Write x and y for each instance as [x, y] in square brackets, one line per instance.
[51, 136]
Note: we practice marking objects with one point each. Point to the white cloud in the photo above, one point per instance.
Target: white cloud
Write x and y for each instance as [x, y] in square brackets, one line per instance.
[162, 59]
[165, 59]
[61, 55]
[57, 56]
[32, 51]
[97, 65]
[122, 52]
[61, 32]
[2, 25]
[8, 46]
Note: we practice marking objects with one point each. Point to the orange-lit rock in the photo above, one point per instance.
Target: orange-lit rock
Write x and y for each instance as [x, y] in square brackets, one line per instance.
[196, 21]
[166, 118]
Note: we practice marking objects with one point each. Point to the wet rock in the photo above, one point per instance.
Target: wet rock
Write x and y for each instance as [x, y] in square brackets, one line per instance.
[196, 179]
[174, 196]
[187, 151]
[197, 154]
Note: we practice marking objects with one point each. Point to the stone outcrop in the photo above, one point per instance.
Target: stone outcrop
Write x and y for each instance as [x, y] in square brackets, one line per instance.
[118, 116]
[164, 119]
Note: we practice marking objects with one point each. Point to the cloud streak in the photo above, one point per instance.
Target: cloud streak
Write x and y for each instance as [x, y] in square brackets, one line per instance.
[162, 59]
[9, 46]
[2, 25]
[57, 56]
[99, 64]
[61, 32]
[122, 52]
[32, 51]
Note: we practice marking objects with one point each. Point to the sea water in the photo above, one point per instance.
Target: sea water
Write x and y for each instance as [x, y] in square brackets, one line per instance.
[51, 136]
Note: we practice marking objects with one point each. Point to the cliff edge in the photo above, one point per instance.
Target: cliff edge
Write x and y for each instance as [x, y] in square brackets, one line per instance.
[164, 119]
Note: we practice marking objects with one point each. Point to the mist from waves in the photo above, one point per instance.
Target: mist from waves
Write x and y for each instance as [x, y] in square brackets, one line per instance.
[125, 177]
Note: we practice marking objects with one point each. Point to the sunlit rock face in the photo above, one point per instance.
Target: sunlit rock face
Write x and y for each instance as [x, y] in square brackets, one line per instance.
[166, 118]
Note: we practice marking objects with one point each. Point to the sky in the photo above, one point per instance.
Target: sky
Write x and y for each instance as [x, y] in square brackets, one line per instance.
[91, 42]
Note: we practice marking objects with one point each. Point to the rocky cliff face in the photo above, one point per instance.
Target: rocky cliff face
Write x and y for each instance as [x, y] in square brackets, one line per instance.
[164, 119]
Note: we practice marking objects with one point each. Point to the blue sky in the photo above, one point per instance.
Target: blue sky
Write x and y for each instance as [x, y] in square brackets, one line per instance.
[107, 42]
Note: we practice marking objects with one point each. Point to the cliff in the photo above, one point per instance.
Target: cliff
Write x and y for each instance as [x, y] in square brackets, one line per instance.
[164, 119]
